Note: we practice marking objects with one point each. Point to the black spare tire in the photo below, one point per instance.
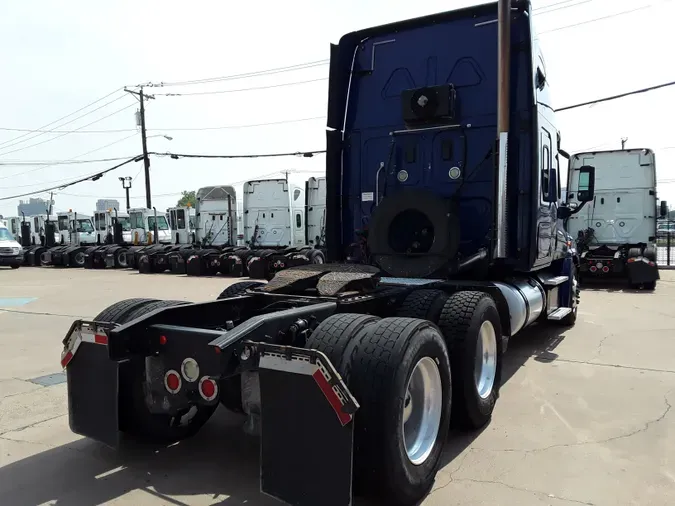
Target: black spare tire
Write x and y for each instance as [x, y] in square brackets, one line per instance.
[413, 234]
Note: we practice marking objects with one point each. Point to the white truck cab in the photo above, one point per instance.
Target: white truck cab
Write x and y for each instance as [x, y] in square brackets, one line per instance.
[75, 228]
[618, 227]
[182, 224]
[142, 226]
[11, 252]
[216, 215]
[274, 214]
[316, 211]
[103, 224]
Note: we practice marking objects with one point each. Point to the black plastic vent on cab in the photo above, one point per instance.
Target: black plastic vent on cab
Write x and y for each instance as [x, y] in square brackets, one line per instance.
[431, 104]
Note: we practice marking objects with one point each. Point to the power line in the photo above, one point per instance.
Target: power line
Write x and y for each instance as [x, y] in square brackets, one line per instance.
[6, 129]
[304, 154]
[179, 129]
[71, 160]
[9, 144]
[233, 127]
[615, 97]
[64, 117]
[548, 9]
[64, 134]
[218, 92]
[256, 73]
[33, 163]
[602, 18]
[93, 177]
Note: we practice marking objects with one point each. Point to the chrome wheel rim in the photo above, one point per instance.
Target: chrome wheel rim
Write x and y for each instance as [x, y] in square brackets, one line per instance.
[422, 406]
[485, 368]
[122, 259]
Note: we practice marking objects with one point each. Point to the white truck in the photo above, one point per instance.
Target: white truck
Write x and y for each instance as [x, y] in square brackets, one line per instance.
[616, 232]
[76, 234]
[274, 214]
[315, 193]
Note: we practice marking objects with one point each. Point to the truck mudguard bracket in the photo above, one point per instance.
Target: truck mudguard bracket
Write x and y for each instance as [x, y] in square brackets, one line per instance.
[307, 427]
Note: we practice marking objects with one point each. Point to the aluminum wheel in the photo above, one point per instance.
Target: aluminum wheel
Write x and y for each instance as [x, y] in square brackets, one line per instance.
[422, 408]
[485, 367]
[122, 259]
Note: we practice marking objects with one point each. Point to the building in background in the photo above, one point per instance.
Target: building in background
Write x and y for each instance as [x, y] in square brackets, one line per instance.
[105, 204]
[32, 207]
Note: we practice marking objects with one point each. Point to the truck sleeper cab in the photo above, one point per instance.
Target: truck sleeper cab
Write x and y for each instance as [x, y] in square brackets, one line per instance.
[366, 360]
[616, 232]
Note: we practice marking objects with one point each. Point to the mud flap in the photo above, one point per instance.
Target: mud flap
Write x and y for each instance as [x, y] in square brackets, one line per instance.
[92, 394]
[307, 429]
[641, 271]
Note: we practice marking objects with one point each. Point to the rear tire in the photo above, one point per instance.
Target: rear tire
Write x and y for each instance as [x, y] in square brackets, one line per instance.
[335, 334]
[423, 304]
[117, 312]
[473, 333]
[650, 286]
[15, 266]
[400, 370]
[238, 289]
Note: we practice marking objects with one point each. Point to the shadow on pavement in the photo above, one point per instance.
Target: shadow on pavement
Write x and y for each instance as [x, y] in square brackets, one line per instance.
[220, 463]
[538, 343]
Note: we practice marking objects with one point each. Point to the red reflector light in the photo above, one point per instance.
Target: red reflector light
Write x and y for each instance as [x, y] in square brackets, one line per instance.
[172, 381]
[66, 360]
[208, 388]
[99, 339]
[162, 340]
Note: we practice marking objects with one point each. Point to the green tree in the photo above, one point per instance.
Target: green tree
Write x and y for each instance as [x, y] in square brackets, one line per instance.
[189, 197]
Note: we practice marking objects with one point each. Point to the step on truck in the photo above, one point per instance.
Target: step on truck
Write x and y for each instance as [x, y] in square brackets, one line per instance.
[356, 370]
[616, 232]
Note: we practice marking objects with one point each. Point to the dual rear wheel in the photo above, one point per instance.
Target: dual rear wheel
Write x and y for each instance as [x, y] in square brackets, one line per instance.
[438, 362]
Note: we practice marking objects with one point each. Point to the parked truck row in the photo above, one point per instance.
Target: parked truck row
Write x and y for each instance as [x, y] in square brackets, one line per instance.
[279, 224]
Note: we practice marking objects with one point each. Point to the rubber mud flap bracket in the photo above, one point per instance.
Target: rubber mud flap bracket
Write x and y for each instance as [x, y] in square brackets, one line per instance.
[307, 434]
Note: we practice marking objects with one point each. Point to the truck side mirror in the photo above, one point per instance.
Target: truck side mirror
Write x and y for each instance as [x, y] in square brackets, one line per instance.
[586, 189]
[663, 212]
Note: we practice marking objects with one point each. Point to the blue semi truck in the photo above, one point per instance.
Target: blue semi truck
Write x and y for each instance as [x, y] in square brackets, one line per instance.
[445, 238]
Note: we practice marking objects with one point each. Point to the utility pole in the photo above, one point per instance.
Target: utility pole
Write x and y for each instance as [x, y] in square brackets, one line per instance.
[51, 202]
[623, 142]
[146, 160]
[126, 184]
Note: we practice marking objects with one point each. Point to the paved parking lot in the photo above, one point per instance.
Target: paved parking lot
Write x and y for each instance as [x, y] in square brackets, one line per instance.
[584, 415]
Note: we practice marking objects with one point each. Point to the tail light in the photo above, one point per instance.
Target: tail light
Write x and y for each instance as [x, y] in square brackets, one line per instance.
[605, 269]
[172, 381]
[208, 388]
[593, 268]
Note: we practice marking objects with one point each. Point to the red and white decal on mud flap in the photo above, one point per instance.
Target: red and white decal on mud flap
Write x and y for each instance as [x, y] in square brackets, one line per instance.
[302, 365]
[82, 333]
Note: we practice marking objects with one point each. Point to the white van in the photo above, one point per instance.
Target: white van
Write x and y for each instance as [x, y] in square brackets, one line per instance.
[11, 252]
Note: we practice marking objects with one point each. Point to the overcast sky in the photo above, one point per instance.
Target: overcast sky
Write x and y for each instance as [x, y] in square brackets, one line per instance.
[60, 56]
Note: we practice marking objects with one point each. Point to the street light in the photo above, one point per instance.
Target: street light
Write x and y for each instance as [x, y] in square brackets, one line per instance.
[167, 137]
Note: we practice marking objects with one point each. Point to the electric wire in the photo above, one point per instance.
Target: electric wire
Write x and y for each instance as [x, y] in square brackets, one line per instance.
[60, 119]
[64, 134]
